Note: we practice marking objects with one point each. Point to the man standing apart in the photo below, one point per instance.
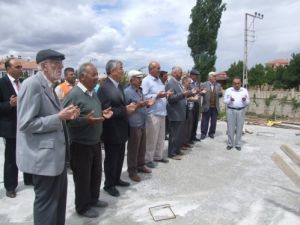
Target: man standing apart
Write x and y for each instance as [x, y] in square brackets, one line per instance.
[85, 133]
[64, 88]
[41, 140]
[236, 99]
[154, 89]
[115, 129]
[9, 88]
[210, 105]
[136, 146]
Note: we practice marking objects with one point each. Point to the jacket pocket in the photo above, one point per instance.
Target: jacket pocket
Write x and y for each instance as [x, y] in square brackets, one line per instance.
[49, 144]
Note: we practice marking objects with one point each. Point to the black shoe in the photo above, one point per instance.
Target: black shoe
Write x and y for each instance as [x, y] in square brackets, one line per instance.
[238, 148]
[11, 194]
[202, 137]
[162, 160]
[229, 147]
[151, 164]
[196, 139]
[90, 213]
[100, 204]
[113, 191]
[179, 153]
[122, 183]
[211, 136]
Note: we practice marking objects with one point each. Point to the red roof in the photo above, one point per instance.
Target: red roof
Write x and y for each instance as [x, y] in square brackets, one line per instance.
[26, 64]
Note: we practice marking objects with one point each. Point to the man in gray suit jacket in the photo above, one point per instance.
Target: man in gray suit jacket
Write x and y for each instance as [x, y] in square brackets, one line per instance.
[176, 109]
[210, 105]
[41, 139]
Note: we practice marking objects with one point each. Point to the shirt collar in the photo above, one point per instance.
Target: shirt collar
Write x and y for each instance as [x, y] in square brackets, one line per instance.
[50, 84]
[84, 89]
[114, 82]
[12, 80]
[153, 77]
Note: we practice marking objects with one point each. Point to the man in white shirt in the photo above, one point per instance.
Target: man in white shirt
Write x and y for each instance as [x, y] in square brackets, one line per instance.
[236, 99]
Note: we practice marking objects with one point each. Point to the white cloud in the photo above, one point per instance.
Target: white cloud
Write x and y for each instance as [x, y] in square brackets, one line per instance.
[139, 31]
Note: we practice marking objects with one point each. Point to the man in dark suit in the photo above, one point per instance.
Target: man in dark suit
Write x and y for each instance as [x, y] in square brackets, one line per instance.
[115, 130]
[9, 88]
[41, 139]
[176, 109]
[194, 74]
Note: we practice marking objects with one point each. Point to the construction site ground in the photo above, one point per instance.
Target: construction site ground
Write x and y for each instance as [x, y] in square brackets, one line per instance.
[209, 186]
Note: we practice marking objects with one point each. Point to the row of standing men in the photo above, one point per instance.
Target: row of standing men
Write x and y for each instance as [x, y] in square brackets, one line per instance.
[43, 128]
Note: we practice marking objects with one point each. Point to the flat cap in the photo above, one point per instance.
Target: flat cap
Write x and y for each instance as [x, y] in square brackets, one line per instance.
[195, 72]
[48, 54]
[134, 73]
[162, 72]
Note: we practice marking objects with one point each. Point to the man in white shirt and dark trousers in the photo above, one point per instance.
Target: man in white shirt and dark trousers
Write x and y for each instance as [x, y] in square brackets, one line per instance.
[236, 99]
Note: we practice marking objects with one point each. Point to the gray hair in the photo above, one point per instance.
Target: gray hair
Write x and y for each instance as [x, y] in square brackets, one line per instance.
[41, 64]
[82, 69]
[212, 74]
[176, 68]
[111, 65]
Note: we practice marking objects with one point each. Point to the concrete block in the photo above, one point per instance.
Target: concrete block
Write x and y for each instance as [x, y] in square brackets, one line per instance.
[287, 166]
[294, 154]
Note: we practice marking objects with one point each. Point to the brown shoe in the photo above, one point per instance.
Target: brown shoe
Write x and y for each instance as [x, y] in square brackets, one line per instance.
[187, 145]
[144, 169]
[135, 177]
[176, 157]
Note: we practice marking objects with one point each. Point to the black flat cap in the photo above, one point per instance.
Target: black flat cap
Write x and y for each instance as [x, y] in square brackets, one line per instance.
[162, 72]
[195, 72]
[48, 54]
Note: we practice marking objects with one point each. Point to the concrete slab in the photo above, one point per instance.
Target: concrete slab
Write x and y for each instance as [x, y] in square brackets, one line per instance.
[210, 186]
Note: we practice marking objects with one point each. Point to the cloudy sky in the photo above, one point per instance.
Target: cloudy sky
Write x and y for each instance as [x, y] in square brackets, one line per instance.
[136, 31]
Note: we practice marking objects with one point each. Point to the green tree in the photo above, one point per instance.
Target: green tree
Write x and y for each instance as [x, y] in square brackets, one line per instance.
[235, 70]
[292, 75]
[202, 40]
[256, 75]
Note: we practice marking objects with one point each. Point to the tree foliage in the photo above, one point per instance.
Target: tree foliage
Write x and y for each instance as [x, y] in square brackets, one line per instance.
[235, 70]
[283, 77]
[202, 40]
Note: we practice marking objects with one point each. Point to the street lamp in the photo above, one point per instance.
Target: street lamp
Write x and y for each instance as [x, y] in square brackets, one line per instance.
[250, 29]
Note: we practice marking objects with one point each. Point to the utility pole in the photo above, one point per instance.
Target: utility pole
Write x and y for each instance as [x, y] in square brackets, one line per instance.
[251, 36]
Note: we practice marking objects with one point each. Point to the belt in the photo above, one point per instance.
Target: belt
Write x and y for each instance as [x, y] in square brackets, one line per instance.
[235, 108]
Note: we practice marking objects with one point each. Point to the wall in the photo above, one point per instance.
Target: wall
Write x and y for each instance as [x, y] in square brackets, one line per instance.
[281, 105]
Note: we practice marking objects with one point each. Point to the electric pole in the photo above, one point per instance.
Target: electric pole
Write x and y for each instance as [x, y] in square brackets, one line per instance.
[249, 37]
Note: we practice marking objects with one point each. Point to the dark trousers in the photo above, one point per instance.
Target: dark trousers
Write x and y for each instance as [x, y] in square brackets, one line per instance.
[196, 112]
[176, 137]
[113, 163]
[136, 149]
[188, 125]
[86, 164]
[166, 126]
[210, 115]
[10, 166]
[50, 199]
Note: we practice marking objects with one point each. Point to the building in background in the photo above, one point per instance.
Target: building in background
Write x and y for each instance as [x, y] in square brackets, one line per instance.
[277, 63]
[29, 67]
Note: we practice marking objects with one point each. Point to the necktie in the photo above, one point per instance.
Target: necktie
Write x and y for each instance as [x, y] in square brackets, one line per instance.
[17, 84]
